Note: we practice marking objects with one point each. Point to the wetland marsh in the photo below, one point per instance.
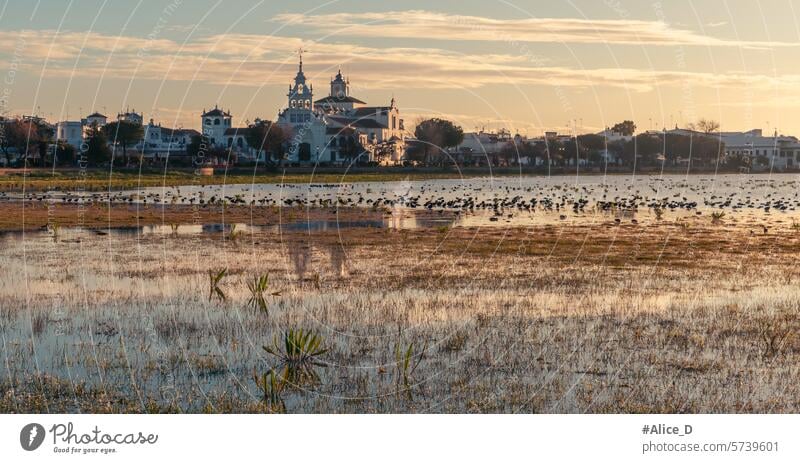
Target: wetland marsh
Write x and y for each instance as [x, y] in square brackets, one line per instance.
[609, 295]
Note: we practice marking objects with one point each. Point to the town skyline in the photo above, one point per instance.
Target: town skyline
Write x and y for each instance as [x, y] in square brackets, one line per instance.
[527, 68]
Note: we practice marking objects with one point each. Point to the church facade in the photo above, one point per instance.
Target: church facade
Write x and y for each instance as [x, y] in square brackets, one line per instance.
[339, 128]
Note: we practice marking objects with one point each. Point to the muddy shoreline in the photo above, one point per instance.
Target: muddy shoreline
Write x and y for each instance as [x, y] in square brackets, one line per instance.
[29, 216]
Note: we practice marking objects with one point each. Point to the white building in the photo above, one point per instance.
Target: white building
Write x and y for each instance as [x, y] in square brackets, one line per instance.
[612, 136]
[213, 125]
[74, 132]
[217, 126]
[95, 118]
[767, 152]
[161, 141]
[485, 143]
[775, 152]
[330, 129]
[131, 116]
[70, 132]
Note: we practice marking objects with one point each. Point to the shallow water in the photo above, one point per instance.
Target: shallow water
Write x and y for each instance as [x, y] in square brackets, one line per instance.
[507, 201]
[131, 314]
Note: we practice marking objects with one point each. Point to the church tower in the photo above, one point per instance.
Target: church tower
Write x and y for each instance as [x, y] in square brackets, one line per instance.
[339, 86]
[300, 95]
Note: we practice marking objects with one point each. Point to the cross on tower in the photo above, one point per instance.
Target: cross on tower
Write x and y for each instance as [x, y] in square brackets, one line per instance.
[300, 53]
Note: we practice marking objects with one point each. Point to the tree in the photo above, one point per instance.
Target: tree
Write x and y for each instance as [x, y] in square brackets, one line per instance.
[707, 150]
[592, 142]
[617, 147]
[439, 133]
[352, 148]
[707, 126]
[64, 154]
[125, 134]
[574, 151]
[414, 151]
[625, 128]
[509, 152]
[515, 151]
[197, 143]
[204, 152]
[6, 142]
[676, 147]
[643, 146]
[384, 152]
[42, 138]
[24, 136]
[738, 161]
[698, 148]
[97, 151]
[552, 151]
[267, 136]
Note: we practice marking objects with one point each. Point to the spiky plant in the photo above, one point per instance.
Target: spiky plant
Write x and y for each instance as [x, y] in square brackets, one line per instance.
[257, 289]
[214, 279]
[271, 386]
[659, 212]
[298, 353]
[716, 217]
[406, 363]
[234, 233]
[56, 228]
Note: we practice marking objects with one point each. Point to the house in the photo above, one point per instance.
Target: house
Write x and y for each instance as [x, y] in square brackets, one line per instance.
[70, 132]
[130, 116]
[159, 142]
[777, 152]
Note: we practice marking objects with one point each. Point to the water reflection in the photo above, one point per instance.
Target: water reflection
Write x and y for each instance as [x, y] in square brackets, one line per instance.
[338, 260]
[398, 220]
[300, 255]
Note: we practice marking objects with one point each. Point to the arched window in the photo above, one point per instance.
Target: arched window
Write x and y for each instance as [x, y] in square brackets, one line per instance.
[216, 121]
[239, 142]
[294, 104]
[230, 141]
[208, 121]
[308, 104]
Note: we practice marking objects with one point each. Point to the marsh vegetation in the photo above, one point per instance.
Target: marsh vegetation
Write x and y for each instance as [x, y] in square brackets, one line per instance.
[664, 316]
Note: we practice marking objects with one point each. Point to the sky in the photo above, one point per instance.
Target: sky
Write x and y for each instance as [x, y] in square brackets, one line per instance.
[525, 65]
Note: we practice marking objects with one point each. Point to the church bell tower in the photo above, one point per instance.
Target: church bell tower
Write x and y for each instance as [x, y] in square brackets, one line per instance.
[300, 95]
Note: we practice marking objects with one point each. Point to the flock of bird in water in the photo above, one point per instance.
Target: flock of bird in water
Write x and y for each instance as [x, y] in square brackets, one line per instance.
[496, 198]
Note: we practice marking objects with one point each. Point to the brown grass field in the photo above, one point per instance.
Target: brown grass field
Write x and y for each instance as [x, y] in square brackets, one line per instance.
[669, 316]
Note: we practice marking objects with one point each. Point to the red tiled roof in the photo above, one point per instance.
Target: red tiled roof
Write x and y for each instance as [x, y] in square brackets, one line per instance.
[216, 112]
[339, 99]
[358, 123]
[368, 110]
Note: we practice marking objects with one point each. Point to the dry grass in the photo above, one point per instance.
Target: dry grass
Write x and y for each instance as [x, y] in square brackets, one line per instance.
[592, 319]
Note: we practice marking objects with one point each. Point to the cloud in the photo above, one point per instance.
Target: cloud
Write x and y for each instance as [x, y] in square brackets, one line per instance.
[441, 26]
[255, 60]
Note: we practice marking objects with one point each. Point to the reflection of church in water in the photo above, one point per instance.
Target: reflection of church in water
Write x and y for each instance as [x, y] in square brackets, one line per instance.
[340, 128]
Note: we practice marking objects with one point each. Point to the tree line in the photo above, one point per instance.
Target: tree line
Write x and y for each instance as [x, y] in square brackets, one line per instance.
[34, 144]
[436, 139]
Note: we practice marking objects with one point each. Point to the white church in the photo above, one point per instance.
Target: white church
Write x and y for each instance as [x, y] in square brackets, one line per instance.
[339, 128]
